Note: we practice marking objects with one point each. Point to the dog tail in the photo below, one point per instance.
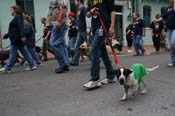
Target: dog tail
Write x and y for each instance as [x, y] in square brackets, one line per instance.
[152, 69]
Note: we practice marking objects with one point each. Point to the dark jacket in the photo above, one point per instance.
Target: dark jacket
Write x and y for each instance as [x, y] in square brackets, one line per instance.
[16, 31]
[29, 32]
[73, 29]
[105, 7]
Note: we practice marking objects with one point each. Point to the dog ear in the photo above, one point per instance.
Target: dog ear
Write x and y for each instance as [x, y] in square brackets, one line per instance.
[127, 72]
[117, 73]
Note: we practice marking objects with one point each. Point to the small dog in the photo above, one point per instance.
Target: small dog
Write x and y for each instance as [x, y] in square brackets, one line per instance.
[85, 50]
[163, 42]
[132, 78]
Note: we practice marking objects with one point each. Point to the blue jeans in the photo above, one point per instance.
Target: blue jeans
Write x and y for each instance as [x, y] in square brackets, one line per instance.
[34, 55]
[171, 38]
[58, 45]
[137, 44]
[13, 54]
[82, 37]
[72, 42]
[99, 49]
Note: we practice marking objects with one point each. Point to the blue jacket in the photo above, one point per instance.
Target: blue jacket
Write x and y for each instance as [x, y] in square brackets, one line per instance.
[16, 31]
[29, 32]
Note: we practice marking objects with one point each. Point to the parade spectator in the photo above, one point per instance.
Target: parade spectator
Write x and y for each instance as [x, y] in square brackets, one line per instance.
[30, 42]
[82, 36]
[169, 17]
[139, 32]
[32, 20]
[57, 40]
[17, 40]
[106, 9]
[129, 37]
[46, 39]
[73, 30]
[157, 30]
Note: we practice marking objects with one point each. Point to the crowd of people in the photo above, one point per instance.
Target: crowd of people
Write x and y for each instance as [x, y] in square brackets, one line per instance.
[22, 37]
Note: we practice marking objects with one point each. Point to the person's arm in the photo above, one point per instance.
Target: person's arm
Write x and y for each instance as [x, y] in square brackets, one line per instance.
[20, 25]
[110, 4]
[61, 17]
[47, 36]
[6, 36]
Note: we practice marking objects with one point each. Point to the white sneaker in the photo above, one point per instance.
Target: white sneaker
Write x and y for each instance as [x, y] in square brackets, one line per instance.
[5, 71]
[30, 68]
[171, 65]
[92, 85]
[107, 81]
[130, 51]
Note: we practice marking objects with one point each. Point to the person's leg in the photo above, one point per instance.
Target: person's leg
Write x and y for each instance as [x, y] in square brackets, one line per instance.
[169, 33]
[136, 44]
[24, 51]
[107, 62]
[172, 46]
[95, 58]
[75, 60]
[12, 58]
[34, 54]
[44, 51]
[154, 42]
[140, 45]
[158, 44]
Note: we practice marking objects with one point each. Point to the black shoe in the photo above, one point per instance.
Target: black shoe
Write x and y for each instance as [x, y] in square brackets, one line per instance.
[62, 69]
[143, 52]
[73, 64]
[136, 54]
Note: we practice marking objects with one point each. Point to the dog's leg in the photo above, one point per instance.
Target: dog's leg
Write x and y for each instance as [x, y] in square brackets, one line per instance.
[125, 96]
[144, 89]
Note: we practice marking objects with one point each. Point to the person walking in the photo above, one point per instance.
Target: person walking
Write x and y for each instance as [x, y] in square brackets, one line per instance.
[129, 37]
[106, 9]
[46, 39]
[30, 42]
[73, 30]
[17, 40]
[139, 32]
[157, 30]
[169, 17]
[82, 36]
[57, 40]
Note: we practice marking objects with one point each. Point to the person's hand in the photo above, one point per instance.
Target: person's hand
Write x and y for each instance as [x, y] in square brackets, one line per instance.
[24, 40]
[88, 14]
[111, 31]
[58, 24]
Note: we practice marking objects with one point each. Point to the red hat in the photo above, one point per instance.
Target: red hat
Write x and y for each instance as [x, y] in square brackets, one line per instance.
[71, 14]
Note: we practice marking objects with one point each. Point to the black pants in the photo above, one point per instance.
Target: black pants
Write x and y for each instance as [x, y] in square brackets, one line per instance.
[46, 47]
[156, 42]
[129, 42]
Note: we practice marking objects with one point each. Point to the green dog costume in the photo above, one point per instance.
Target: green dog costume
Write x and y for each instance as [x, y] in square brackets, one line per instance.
[140, 71]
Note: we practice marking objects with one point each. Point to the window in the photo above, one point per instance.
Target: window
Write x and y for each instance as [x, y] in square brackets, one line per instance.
[147, 15]
[27, 5]
[73, 7]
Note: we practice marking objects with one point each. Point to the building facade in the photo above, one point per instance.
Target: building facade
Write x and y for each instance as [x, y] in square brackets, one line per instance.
[123, 8]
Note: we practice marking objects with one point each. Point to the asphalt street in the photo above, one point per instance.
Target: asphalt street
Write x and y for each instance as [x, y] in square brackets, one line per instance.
[44, 93]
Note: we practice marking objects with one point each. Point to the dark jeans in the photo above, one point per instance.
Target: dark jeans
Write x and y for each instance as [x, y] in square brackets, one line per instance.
[58, 45]
[156, 42]
[99, 49]
[13, 54]
[137, 44]
[46, 47]
[129, 42]
[34, 55]
[82, 37]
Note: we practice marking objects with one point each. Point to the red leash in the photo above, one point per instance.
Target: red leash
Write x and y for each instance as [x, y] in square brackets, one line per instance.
[117, 61]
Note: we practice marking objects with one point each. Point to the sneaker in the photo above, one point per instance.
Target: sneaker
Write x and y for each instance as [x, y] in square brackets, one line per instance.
[62, 69]
[73, 64]
[171, 65]
[136, 55]
[107, 81]
[5, 71]
[30, 68]
[130, 51]
[92, 85]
